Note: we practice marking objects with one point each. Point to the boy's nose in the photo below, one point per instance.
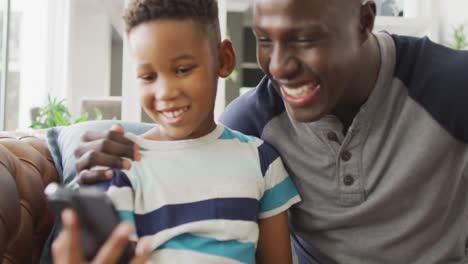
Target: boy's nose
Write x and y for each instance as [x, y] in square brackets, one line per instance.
[165, 90]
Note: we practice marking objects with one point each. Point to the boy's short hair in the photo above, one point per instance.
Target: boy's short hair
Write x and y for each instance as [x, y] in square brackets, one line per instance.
[203, 12]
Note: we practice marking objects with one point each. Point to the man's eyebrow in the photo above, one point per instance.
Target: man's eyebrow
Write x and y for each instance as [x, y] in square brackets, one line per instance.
[295, 29]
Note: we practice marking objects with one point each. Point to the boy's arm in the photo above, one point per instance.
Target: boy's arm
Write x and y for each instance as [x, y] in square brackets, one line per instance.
[273, 243]
[122, 195]
[279, 195]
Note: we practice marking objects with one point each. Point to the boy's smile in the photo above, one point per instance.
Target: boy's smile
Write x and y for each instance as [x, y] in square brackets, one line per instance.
[174, 116]
[178, 67]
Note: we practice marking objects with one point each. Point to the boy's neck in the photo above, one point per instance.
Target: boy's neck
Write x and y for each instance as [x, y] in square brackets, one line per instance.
[158, 133]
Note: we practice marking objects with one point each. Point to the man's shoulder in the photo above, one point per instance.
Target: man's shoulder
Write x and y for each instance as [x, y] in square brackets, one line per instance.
[250, 112]
[420, 58]
[437, 79]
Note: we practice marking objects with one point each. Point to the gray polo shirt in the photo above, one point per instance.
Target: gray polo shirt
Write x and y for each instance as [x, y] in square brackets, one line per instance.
[394, 189]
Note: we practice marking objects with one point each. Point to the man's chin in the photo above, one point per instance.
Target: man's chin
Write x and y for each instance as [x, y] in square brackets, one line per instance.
[305, 115]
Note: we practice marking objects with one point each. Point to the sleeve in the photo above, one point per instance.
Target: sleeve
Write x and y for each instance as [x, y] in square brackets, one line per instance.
[280, 192]
[122, 195]
[250, 112]
[436, 78]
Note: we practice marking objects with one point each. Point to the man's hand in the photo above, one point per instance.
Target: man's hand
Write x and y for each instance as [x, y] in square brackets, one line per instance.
[66, 248]
[103, 148]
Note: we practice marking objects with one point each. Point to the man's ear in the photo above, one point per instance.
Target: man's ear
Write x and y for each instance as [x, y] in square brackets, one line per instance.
[367, 18]
[227, 58]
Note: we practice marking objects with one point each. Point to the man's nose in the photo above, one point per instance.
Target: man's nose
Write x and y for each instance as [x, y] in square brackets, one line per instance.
[283, 65]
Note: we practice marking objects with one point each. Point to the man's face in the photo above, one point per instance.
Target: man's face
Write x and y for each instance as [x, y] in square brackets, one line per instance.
[177, 72]
[310, 50]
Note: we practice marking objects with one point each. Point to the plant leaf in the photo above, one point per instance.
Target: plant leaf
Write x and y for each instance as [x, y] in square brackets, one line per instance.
[98, 113]
[37, 125]
[82, 118]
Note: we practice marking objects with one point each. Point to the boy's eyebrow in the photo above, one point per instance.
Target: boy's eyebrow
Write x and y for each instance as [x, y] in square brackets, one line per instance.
[143, 66]
[183, 57]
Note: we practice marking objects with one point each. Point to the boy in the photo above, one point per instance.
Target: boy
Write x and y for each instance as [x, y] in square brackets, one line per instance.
[201, 193]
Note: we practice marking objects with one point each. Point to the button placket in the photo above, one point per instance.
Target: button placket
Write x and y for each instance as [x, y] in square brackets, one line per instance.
[332, 136]
[348, 180]
[351, 192]
[345, 156]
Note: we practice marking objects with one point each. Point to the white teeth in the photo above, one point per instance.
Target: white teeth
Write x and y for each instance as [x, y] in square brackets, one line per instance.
[176, 113]
[297, 92]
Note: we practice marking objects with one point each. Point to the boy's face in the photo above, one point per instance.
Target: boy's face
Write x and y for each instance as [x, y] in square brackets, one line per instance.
[177, 71]
[310, 49]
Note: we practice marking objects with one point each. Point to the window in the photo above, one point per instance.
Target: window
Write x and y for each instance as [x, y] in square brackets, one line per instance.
[68, 49]
[11, 89]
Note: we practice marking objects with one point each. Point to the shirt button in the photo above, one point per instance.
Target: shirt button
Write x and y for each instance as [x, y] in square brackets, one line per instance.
[348, 180]
[346, 156]
[332, 136]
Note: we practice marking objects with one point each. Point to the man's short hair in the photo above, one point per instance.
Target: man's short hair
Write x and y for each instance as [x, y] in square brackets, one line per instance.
[202, 12]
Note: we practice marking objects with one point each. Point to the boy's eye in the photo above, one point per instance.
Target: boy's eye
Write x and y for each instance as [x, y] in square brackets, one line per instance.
[148, 77]
[182, 70]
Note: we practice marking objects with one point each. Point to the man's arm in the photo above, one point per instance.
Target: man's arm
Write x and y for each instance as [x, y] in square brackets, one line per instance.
[103, 148]
[273, 244]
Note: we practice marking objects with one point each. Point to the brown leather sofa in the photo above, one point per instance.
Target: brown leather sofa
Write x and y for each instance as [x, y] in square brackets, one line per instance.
[26, 167]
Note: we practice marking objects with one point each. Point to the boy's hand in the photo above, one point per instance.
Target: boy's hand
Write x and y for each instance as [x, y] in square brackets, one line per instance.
[66, 248]
[103, 148]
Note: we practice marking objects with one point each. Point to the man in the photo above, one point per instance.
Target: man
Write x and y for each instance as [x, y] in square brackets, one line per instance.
[372, 128]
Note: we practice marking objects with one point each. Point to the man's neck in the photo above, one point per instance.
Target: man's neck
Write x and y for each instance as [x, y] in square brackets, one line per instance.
[366, 78]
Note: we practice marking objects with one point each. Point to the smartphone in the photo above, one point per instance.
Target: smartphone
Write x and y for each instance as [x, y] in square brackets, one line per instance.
[96, 214]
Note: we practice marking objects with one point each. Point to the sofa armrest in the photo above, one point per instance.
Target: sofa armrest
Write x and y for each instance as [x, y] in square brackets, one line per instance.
[26, 167]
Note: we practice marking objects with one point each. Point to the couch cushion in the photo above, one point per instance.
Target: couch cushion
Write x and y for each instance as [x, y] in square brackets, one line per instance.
[63, 141]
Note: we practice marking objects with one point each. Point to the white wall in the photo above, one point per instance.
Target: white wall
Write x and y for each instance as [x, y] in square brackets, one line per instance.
[452, 13]
[65, 52]
[32, 58]
[89, 53]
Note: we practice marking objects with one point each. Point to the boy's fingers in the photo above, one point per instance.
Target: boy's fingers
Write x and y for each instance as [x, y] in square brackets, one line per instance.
[117, 128]
[71, 227]
[111, 251]
[143, 252]
[66, 247]
[60, 248]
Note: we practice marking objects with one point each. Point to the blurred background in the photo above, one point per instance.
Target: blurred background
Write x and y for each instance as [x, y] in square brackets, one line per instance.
[69, 56]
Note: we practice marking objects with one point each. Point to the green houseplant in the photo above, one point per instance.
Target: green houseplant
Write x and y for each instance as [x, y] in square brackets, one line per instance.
[55, 113]
[460, 38]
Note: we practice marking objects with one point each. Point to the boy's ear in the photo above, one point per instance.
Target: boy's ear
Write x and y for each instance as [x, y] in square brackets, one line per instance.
[227, 58]
[367, 19]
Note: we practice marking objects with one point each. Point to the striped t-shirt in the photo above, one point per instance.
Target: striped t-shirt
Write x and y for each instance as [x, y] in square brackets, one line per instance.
[199, 200]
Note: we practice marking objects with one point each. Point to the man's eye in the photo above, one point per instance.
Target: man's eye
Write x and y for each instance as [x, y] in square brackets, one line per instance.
[304, 40]
[309, 40]
[263, 41]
